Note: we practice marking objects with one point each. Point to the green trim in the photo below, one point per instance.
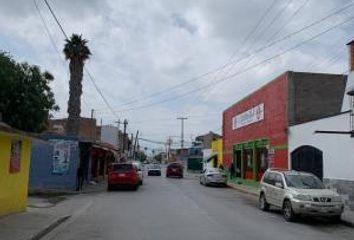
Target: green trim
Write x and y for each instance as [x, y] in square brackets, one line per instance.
[279, 147]
[242, 163]
[254, 163]
[245, 182]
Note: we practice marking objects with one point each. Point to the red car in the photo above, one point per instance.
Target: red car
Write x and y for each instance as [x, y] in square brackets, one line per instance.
[123, 174]
[174, 170]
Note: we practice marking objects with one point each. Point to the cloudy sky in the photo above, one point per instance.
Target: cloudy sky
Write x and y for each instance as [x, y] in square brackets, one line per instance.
[155, 60]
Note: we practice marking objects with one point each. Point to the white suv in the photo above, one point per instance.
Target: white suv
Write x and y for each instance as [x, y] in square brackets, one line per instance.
[298, 193]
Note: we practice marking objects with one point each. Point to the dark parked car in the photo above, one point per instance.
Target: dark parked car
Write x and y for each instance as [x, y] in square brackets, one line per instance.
[123, 174]
[174, 170]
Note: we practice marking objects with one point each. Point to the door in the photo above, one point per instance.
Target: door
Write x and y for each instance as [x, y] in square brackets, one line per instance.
[278, 192]
[308, 159]
[238, 164]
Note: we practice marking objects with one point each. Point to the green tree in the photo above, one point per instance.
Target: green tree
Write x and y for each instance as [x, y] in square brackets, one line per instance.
[77, 52]
[25, 95]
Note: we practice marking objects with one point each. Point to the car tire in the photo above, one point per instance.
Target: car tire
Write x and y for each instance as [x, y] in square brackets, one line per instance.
[288, 212]
[109, 188]
[135, 187]
[167, 176]
[140, 182]
[263, 205]
[336, 218]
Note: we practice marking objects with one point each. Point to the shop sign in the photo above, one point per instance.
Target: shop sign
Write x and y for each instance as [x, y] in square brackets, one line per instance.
[248, 117]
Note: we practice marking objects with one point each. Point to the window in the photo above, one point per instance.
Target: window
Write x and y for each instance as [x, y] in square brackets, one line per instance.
[249, 162]
[278, 179]
[269, 178]
[15, 156]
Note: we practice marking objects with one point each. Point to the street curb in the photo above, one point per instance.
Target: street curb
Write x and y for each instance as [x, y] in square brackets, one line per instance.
[233, 186]
[50, 228]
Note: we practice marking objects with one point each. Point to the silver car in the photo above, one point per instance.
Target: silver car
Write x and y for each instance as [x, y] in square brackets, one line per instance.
[140, 170]
[298, 193]
[213, 176]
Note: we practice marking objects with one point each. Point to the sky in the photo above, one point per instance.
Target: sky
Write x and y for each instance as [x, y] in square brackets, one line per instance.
[156, 60]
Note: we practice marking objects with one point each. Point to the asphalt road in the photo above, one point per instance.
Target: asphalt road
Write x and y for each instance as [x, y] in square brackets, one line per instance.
[174, 209]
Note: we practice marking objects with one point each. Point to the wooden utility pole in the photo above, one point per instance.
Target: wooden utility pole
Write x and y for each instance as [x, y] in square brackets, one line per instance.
[136, 141]
[125, 123]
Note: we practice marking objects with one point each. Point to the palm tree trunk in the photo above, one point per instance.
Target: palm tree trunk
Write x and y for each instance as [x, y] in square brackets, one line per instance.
[75, 90]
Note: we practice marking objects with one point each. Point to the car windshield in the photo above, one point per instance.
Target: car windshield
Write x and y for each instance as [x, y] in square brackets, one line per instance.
[122, 167]
[155, 166]
[304, 182]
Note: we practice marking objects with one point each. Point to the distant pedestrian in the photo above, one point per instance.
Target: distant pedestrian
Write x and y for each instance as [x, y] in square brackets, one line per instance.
[79, 178]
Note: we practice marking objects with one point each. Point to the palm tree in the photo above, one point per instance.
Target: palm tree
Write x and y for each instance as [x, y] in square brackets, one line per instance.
[75, 50]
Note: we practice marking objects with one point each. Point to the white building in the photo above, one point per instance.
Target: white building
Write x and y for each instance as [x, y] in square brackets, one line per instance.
[325, 146]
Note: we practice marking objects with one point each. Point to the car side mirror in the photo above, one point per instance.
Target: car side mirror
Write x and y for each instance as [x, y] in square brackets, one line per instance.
[279, 185]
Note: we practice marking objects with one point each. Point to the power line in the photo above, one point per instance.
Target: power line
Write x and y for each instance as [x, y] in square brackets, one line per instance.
[286, 37]
[244, 70]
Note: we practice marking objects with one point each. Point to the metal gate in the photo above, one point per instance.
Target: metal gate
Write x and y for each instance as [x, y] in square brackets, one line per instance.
[308, 159]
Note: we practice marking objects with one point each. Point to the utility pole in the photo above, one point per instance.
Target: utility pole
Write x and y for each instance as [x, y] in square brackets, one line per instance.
[125, 123]
[136, 141]
[169, 142]
[92, 113]
[182, 129]
[118, 126]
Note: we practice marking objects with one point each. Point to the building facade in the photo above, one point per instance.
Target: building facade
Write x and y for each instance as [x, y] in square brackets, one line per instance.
[15, 151]
[256, 129]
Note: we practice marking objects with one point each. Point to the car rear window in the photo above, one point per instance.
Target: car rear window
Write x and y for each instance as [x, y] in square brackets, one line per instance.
[122, 167]
[176, 165]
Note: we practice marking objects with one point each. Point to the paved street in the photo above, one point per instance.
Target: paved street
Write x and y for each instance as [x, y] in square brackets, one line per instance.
[183, 209]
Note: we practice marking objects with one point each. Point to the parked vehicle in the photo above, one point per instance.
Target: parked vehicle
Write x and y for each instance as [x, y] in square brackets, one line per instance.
[174, 170]
[213, 176]
[122, 174]
[154, 170]
[298, 193]
[140, 170]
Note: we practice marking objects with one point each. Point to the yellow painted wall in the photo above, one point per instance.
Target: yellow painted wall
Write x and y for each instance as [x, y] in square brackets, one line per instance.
[13, 187]
[216, 147]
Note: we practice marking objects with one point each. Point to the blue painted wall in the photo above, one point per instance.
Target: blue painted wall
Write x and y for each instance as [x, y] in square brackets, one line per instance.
[41, 168]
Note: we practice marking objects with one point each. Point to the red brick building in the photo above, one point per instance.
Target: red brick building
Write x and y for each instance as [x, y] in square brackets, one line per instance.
[255, 129]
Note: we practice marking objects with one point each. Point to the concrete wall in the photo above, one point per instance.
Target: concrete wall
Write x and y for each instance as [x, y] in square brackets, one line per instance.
[338, 157]
[41, 170]
[216, 147]
[13, 186]
[313, 96]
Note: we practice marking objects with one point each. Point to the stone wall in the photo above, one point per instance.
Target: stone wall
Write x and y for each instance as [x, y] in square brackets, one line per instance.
[344, 188]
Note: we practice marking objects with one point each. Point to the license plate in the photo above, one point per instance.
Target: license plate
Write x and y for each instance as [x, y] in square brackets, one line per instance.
[121, 175]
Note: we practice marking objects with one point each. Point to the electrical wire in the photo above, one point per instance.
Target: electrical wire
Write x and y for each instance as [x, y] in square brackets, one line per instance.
[242, 71]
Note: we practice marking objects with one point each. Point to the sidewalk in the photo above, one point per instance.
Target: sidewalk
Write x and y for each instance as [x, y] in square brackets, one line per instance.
[87, 188]
[347, 216]
[45, 211]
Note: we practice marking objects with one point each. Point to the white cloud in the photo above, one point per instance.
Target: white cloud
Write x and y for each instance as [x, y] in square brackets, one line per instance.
[140, 47]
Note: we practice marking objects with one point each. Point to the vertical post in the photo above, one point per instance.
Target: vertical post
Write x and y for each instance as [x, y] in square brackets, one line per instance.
[92, 113]
[254, 162]
[182, 129]
[136, 140]
[242, 163]
[125, 123]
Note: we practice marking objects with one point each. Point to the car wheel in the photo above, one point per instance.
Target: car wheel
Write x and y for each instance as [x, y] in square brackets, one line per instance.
[141, 182]
[335, 219]
[135, 187]
[167, 176]
[263, 205]
[288, 212]
[109, 187]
